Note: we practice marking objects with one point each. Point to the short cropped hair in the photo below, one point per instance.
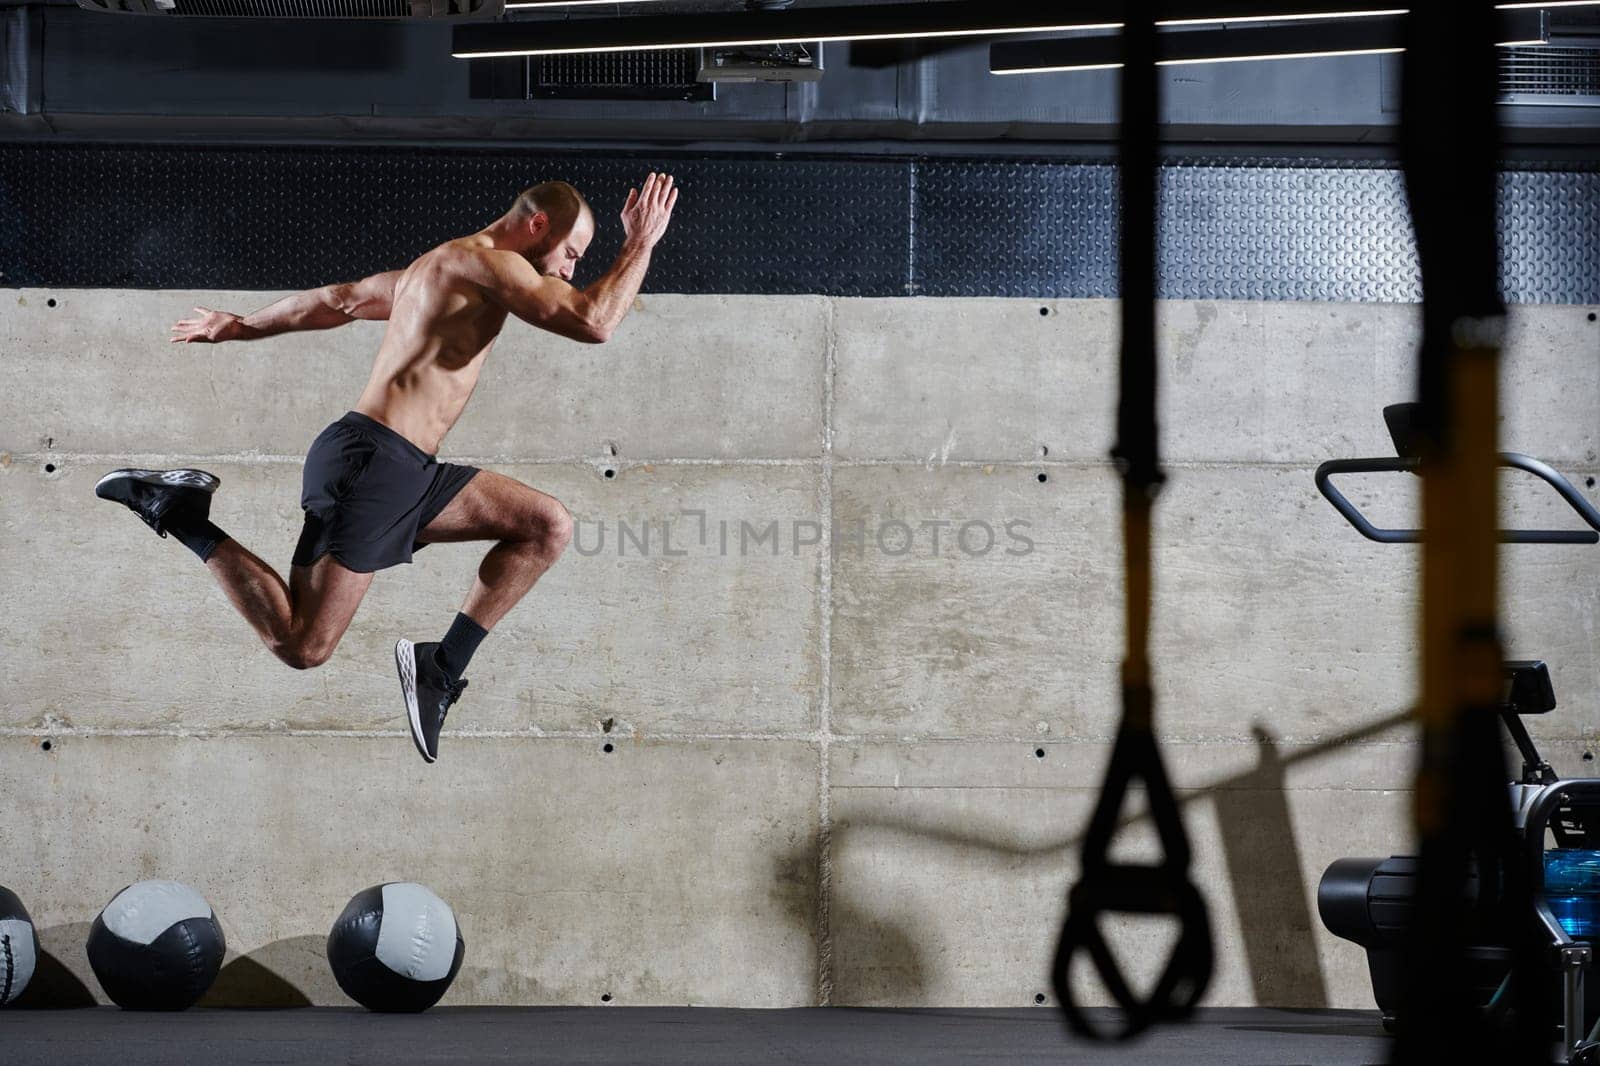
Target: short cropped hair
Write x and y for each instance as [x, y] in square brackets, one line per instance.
[560, 201]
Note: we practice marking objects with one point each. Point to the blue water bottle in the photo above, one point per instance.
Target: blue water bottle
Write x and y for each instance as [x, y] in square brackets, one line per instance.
[1572, 889]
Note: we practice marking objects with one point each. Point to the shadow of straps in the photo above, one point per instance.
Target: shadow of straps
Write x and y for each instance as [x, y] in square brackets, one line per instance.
[1105, 887]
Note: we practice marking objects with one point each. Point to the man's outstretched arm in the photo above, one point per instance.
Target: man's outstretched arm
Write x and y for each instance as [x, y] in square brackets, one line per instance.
[588, 315]
[331, 305]
[591, 314]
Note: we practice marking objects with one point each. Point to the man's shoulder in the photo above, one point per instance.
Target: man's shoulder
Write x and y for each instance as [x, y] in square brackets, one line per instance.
[466, 254]
[464, 259]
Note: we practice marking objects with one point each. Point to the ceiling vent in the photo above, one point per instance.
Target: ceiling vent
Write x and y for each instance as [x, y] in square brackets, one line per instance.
[1550, 75]
[668, 74]
[665, 74]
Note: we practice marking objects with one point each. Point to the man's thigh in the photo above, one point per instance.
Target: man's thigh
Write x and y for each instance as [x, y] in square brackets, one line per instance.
[494, 507]
[325, 596]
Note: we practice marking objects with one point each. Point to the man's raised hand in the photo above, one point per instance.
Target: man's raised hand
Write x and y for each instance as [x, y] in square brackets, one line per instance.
[212, 327]
[647, 212]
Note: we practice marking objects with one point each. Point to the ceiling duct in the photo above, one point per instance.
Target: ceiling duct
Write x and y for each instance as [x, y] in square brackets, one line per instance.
[1565, 72]
[668, 74]
[1550, 76]
[770, 62]
[665, 75]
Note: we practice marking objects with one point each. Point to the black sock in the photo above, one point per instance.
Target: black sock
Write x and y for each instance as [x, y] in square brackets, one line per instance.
[199, 535]
[455, 651]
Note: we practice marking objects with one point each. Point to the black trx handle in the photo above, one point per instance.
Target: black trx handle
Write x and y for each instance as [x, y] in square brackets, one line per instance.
[1105, 887]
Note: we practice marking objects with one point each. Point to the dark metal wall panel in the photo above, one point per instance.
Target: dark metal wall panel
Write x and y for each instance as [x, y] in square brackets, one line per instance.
[1287, 233]
[1289, 230]
[273, 218]
[1015, 229]
[1550, 243]
[254, 218]
[1226, 232]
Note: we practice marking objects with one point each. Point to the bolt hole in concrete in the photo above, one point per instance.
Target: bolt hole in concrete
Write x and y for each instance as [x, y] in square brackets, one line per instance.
[1043, 478]
[1038, 753]
[606, 998]
[52, 302]
[609, 748]
[49, 468]
[1038, 997]
[1588, 482]
[1591, 316]
[1588, 756]
[46, 745]
[1043, 311]
[610, 472]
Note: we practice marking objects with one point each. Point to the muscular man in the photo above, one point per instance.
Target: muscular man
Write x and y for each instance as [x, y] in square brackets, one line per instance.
[372, 490]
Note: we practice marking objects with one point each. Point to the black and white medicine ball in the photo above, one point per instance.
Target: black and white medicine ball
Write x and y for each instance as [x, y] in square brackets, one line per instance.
[396, 947]
[156, 946]
[19, 947]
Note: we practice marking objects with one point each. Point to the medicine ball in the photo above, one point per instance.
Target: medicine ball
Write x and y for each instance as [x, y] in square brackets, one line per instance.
[156, 946]
[19, 946]
[396, 947]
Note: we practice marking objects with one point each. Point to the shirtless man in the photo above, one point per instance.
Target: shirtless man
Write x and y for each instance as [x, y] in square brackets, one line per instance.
[372, 490]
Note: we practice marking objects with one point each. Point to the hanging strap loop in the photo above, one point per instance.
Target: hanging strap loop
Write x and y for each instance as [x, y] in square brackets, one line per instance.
[1105, 887]
[1118, 888]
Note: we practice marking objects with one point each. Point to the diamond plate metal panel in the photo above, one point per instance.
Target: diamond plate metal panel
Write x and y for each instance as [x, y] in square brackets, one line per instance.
[1286, 233]
[276, 218]
[1550, 236]
[1234, 231]
[1015, 229]
[272, 218]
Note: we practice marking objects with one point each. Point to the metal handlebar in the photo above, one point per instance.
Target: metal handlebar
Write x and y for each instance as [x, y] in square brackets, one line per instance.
[1541, 470]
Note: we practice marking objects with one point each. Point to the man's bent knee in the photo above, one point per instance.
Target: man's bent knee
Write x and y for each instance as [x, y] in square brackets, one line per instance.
[304, 655]
[552, 531]
[561, 528]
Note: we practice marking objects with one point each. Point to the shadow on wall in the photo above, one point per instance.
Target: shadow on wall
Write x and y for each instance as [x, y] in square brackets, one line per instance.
[55, 986]
[265, 978]
[63, 979]
[1260, 851]
[1269, 890]
[890, 950]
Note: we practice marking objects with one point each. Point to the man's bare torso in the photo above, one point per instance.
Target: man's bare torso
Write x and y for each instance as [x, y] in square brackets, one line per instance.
[441, 326]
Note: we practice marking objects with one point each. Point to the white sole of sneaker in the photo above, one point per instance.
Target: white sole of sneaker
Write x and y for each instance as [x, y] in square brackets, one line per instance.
[195, 478]
[405, 661]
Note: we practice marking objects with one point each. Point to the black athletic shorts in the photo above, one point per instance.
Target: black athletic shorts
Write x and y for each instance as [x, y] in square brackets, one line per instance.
[366, 491]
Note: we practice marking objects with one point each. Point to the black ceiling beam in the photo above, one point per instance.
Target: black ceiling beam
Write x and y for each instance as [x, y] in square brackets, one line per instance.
[952, 18]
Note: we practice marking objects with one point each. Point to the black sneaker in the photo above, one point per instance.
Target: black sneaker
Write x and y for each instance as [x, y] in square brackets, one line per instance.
[154, 494]
[428, 692]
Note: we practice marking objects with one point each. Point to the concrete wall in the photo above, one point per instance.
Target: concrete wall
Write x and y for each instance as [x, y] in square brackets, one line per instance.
[852, 773]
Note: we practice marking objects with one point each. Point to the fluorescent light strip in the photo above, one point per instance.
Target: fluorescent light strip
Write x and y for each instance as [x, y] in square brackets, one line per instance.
[535, 5]
[1278, 55]
[1183, 62]
[1355, 14]
[1058, 70]
[804, 39]
[1237, 20]
[1234, 59]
